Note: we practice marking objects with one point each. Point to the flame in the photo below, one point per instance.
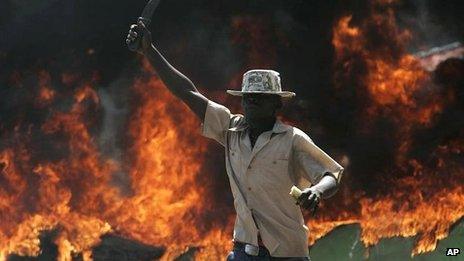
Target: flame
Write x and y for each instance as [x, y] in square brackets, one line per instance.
[167, 154]
[46, 94]
[61, 189]
[75, 194]
[423, 201]
[391, 82]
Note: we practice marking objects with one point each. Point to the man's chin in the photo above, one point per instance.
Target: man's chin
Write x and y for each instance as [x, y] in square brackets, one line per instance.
[251, 116]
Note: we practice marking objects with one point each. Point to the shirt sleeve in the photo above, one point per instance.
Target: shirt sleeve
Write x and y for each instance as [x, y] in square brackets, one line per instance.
[310, 162]
[216, 122]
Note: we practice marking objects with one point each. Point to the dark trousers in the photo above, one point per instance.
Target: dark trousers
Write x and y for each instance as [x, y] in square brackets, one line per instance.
[238, 254]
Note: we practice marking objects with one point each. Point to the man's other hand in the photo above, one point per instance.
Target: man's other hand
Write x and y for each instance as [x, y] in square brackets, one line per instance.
[310, 199]
[139, 32]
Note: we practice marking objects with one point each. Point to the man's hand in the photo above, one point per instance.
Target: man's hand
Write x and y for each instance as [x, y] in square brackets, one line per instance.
[310, 199]
[139, 32]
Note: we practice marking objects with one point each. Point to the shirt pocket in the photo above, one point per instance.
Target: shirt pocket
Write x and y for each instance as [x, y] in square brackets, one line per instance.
[275, 173]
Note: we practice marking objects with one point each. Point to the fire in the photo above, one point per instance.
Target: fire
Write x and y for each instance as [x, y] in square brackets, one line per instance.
[167, 153]
[55, 205]
[75, 194]
[423, 200]
[46, 94]
[391, 82]
[61, 180]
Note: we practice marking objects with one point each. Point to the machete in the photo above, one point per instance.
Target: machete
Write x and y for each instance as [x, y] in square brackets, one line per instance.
[145, 18]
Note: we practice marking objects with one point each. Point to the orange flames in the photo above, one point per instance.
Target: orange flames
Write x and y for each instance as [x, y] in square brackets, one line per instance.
[391, 82]
[167, 156]
[46, 94]
[50, 195]
[76, 196]
[428, 198]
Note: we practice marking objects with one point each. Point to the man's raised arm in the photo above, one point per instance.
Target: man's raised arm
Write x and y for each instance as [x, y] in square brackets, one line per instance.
[175, 81]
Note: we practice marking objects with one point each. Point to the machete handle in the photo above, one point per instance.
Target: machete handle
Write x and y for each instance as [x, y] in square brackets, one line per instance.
[135, 44]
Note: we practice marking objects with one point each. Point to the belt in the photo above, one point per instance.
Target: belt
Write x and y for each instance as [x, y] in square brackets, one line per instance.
[251, 249]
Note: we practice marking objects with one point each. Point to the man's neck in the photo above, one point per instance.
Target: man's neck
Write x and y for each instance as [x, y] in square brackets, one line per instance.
[258, 126]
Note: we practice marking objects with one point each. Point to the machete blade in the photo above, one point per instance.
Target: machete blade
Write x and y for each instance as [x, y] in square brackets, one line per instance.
[148, 11]
[145, 18]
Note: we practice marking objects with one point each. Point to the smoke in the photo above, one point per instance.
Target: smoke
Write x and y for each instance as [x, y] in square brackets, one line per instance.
[431, 22]
[448, 125]
[113, 126]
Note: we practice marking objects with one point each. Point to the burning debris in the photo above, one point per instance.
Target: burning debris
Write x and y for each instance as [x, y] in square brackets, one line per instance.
[111, 248]
[431, 58]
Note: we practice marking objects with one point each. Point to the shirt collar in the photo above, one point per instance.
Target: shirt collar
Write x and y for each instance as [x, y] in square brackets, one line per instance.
[279, 127]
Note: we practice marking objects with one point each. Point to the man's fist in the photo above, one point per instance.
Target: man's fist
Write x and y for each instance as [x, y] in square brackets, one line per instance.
[309, 199]
[139, 38]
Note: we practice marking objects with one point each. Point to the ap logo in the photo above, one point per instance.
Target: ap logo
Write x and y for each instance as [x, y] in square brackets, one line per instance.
[452, 251]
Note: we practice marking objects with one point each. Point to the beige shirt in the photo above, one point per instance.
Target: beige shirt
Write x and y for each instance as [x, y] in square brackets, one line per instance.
[261, 178]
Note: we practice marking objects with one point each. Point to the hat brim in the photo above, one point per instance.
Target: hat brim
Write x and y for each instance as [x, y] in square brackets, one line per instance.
[281, 94]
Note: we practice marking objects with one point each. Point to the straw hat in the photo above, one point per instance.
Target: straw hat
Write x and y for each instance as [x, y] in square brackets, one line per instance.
[261, 81]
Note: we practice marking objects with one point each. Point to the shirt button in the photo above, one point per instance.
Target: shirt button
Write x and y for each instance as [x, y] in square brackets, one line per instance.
[233, 154]
[274, 162]
[249, 167]
[249, 188]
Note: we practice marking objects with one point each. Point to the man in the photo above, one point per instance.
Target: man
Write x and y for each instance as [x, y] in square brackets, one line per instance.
[264, 158]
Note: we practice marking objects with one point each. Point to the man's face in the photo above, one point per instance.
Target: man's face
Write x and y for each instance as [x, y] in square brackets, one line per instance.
[258, 106]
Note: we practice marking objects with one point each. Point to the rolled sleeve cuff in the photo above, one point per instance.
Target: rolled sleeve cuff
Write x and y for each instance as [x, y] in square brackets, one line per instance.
[337, 173]
[216, 122]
